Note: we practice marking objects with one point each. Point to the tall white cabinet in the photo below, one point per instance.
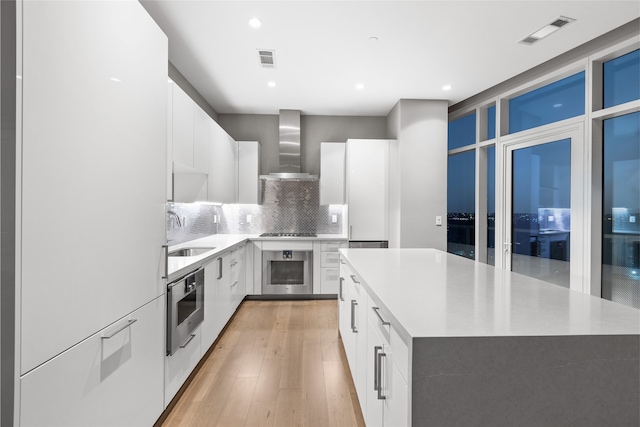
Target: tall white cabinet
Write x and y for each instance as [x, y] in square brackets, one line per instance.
[88, 126]
[367, 189]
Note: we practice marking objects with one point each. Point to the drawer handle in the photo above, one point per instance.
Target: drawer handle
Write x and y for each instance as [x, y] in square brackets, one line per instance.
[353, 277]
[186, 343]
[342, 261]
[120, 329]
[377, 311]
[166, 261]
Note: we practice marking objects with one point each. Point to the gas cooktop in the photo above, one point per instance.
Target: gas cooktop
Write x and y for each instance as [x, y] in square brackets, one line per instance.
[288, 235]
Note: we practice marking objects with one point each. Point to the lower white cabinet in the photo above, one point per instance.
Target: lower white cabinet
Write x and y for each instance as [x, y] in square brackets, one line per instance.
[326, 271]
[113, 378]
[377, 356]
[180, 364]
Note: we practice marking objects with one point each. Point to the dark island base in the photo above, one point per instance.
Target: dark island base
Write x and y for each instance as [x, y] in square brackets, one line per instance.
[526, 381]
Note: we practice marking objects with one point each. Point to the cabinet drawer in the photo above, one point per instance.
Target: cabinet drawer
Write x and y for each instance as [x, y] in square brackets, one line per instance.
[329, 259]
[329, 278]
[102, 381]
[331, 246]
[180, 364]
[396, 345]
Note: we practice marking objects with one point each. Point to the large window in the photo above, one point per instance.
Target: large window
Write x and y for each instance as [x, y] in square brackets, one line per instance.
[551, 103]
[461, 200]
[621, 208]
[622, 79]
[462, 132]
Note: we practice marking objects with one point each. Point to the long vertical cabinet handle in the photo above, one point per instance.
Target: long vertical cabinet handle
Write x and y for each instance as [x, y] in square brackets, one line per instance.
[219, 268]
[354, 329]
[341, 282]
[376, 385]
[166, 261]
[379, 376]
[350, 231]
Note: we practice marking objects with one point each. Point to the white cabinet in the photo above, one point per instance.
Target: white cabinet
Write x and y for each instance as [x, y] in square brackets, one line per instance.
[237, 276]
[102, 381]
[201, 123]
[387, 392]
[377, 356]
[215, 303]
[183, 119]
[89, 125]
[180, 364]
[332, 176]
[367, 186]
[353, 329]
[249, 172]
[223, 164]
[326, 271]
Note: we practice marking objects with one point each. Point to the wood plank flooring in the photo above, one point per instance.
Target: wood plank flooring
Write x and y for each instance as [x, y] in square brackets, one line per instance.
[278, 363]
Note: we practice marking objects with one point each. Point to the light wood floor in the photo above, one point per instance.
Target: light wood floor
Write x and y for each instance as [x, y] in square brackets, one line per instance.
[279, 363]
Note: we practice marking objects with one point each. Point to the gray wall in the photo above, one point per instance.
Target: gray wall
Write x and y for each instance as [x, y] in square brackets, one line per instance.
[418, 172]
[315, 129]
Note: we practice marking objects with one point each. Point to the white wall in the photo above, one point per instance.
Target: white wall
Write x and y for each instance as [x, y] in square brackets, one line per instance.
[420, 127]
[314, 130]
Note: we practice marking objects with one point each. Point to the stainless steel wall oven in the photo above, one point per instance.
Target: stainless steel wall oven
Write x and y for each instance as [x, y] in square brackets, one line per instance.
[185, 309]
[287, 272]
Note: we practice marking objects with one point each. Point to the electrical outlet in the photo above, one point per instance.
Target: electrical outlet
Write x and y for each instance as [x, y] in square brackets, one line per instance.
[249, 219]
[215, 219]
[184, 221]
[439, 221]
[334, 218]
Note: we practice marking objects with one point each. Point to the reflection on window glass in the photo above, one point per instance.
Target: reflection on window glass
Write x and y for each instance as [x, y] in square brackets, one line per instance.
[621, 208]
[551, 103]
[541, 203]
[461, 204]
[491, 122]
[622, 79]
[462, 131]
[491, 205]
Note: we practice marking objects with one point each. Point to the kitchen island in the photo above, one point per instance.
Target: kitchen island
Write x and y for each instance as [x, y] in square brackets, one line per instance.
[443, 340]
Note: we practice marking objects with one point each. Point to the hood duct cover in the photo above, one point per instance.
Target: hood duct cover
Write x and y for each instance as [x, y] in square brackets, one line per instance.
[289, 148]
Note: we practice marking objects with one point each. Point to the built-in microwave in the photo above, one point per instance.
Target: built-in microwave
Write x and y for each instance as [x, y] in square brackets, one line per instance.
[185, 309]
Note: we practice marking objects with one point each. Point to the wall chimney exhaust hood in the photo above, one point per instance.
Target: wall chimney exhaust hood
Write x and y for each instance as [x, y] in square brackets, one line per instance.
[289, 149]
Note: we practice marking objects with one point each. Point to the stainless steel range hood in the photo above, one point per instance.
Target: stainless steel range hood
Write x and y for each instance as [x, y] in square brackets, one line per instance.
[289, 149]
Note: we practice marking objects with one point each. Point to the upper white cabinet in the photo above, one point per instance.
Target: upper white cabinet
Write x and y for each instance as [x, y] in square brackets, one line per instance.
[249, 172]
[367, 187]
[201, 139]
[183, 127]
[92, 142]
[332, 164]
[223, 172]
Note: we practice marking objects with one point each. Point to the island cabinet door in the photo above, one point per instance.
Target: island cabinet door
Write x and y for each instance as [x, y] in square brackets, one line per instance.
[387, 393]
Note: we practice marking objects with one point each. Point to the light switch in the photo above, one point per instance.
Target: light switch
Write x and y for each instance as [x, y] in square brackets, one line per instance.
[249, 219]
[438, 220]
[334, 218]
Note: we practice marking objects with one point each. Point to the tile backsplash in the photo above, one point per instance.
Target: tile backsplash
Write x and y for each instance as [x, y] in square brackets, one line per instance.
[288, 206]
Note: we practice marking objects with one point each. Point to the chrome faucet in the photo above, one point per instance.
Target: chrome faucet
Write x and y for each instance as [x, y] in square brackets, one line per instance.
[175, 215]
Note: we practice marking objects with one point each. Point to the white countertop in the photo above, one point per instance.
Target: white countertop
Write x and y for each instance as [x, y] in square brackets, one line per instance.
[434, 294]
[179, 266]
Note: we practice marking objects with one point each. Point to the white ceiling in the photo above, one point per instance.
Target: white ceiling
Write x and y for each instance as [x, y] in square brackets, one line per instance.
[323, 48]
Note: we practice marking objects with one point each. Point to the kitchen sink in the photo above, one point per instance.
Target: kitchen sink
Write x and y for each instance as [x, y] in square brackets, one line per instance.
[190, 251]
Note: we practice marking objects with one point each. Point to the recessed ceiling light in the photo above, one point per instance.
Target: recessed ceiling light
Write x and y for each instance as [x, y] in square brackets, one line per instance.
[360, 86]
[255, 22]
[271, 84]
[446, 87]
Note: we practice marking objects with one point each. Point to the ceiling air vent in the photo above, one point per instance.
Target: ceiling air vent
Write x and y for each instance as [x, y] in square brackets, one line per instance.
[546, 30]
[267, 58]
